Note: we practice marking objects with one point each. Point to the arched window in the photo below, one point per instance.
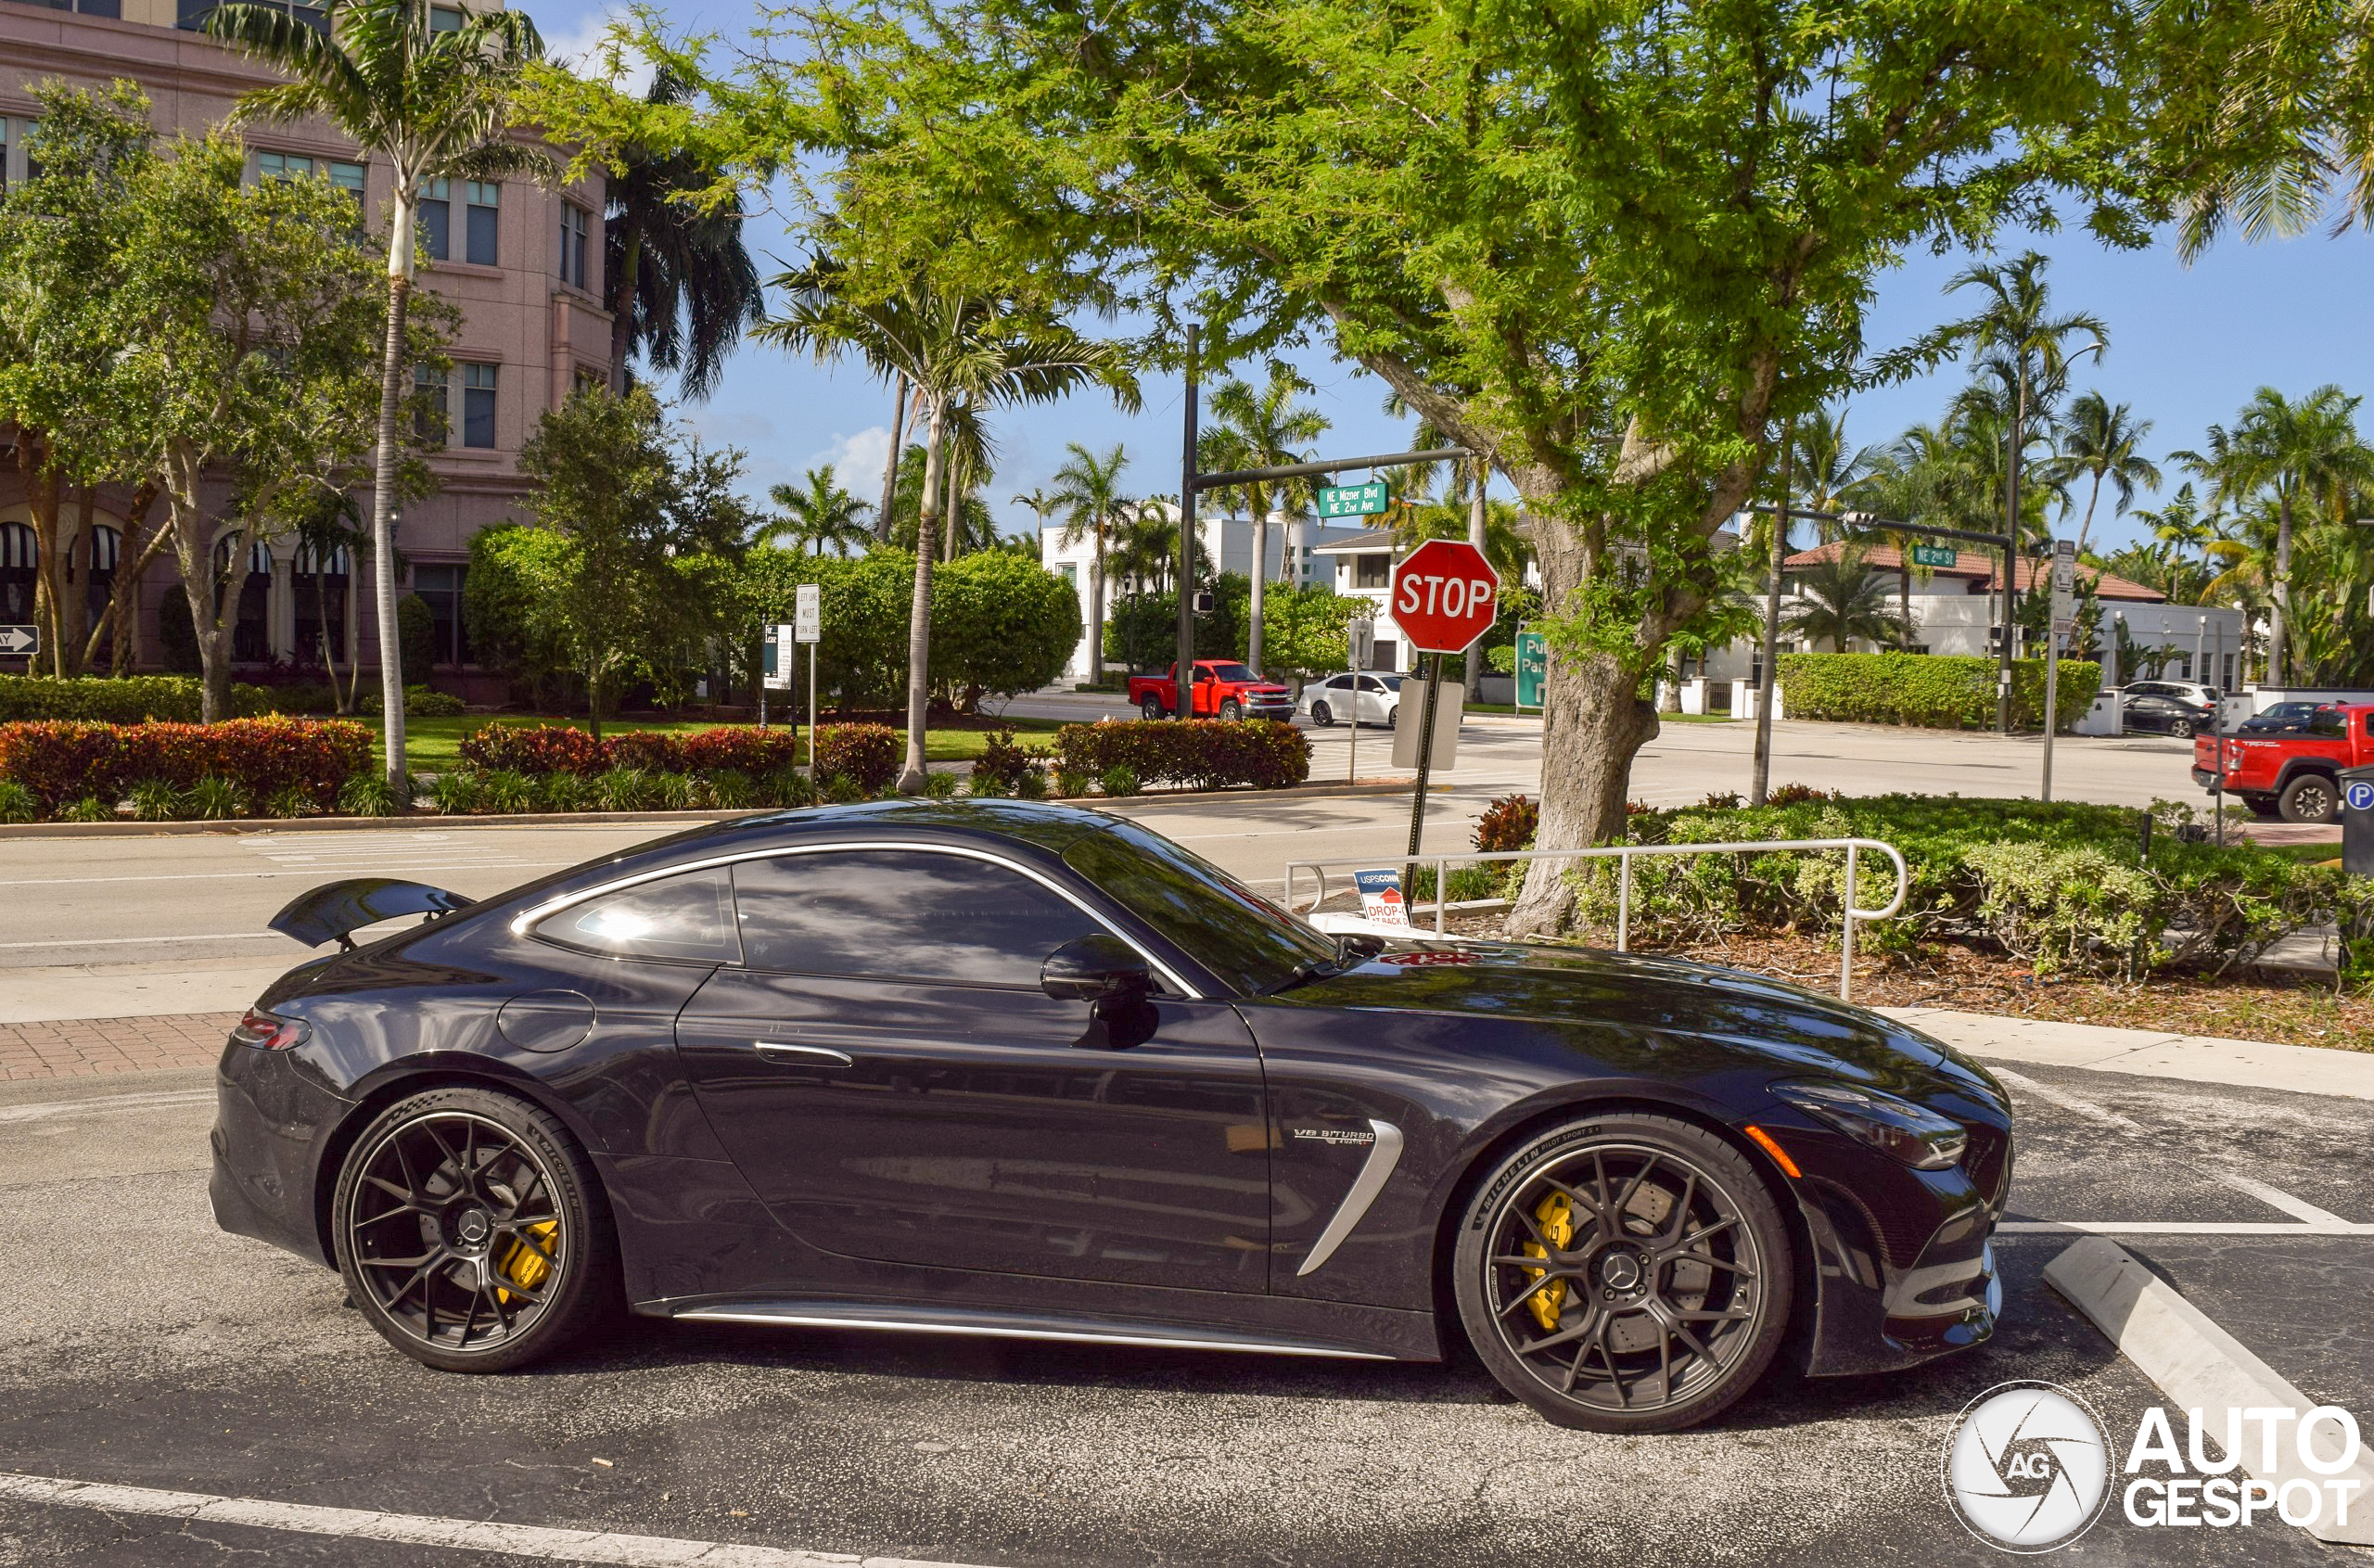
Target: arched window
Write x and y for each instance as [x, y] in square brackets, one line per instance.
[19, 558]
[106, 550]
[251, 629]
[320, 583]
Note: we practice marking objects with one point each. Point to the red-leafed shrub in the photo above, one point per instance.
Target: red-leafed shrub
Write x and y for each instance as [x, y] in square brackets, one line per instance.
[654, 751]
[867, 755]
[1797, 795]
[1193, 753]
[742, 748]
[1507, 823]
[533, 749]
[60, 761]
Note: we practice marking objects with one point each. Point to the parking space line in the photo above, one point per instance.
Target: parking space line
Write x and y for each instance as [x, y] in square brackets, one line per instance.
[2069, 1102]
[2275, 1197]
[412, 1529]
[2178, 1228]
[103, 1104]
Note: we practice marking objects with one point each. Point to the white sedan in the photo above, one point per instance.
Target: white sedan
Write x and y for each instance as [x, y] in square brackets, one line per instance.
[1370, 698]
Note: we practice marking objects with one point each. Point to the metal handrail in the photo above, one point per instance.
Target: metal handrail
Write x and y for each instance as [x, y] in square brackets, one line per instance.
[1624, 854]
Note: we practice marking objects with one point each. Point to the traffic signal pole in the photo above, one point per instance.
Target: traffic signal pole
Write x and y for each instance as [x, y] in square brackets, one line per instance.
[1185, 668]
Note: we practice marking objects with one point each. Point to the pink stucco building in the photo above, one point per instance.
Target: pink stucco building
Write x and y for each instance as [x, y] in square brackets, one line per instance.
[522, 261]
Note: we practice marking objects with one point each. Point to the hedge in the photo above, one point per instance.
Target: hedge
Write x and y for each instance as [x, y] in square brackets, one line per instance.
[133, 699]
[866, 755]
[60, 761]
[2065, 886]
[1193, 753]
[1936, 691]
[541, 750]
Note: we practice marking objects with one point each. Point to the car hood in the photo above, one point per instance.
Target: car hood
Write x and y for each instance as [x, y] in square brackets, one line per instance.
[1730, 1009]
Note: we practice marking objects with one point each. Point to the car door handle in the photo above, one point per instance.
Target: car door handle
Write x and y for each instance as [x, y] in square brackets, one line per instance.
[823, 1055]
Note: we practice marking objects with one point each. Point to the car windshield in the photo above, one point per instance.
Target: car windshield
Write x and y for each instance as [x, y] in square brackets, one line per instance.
[1231, 672]
[1248, 943]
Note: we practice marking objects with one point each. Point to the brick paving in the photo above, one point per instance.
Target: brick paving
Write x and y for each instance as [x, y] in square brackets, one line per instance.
[78, 1048]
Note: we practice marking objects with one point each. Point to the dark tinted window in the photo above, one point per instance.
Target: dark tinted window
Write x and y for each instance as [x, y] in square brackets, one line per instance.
[1247, 943]
[2327, 723]
[1227, 673]
[902, 914]
[689, 916]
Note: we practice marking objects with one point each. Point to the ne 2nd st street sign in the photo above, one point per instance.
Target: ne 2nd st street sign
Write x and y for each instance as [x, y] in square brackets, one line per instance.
[1935, 555]
[1355, 500]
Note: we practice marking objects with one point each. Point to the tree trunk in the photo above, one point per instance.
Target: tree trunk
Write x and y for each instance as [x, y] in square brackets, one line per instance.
[2087, 525]
[2279, 640]
[890, 467]
[911, 780]
[1592, 723]
[122, 620]
[383, 489]
[1096, 607]
[622, 290]
[43, 488]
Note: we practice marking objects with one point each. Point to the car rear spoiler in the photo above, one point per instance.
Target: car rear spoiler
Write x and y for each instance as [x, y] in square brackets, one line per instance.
[336, 908]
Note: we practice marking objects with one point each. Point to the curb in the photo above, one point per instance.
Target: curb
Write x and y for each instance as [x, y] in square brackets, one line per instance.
[2199, 1366]
[416, 819]
[2099, 1048]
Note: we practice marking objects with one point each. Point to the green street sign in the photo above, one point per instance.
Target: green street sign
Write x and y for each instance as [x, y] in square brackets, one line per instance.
[1935, 555]
[1355, 500]
[1533, 668]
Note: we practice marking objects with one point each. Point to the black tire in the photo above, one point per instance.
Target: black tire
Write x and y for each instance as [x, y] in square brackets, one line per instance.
[2181, 728]
[1321, 715]
[2309, 797]
[1152, 708]
[1393, 716]
[449, 1190]
[1231, 711]
[1664, 1181]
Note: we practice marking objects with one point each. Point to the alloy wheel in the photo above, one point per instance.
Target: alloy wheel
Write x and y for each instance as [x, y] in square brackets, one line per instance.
[1625, 1278]
[454, 1229]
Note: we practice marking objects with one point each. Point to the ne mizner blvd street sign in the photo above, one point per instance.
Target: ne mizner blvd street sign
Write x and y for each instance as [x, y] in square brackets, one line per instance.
[1355, 500]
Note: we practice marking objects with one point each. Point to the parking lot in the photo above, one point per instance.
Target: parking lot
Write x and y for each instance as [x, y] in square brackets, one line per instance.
[151, 1351]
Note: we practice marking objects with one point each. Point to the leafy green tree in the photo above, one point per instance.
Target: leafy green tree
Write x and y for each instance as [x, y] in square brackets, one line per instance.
[822, 514]
[1304, 629]
[1265, 428]
[431, 104]
[1840, 602]
[1001, 623]
[1088, 492]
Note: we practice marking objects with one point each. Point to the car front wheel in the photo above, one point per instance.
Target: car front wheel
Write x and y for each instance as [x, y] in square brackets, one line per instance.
[1231, 711]
[2311, 798]
[472, 1233]
[1624, 1272]
[1321, 715]
[1150, 709]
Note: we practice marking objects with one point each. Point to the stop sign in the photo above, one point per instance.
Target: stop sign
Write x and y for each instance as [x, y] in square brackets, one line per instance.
[1445, 595]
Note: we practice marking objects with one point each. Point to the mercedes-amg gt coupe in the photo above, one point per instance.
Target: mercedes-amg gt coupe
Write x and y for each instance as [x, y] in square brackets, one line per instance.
[1000, 1068]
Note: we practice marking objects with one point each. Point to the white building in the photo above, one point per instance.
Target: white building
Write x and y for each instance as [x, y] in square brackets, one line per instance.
[1293, 556]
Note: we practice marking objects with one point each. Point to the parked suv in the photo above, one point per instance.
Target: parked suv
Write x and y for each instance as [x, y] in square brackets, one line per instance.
[2181, 709]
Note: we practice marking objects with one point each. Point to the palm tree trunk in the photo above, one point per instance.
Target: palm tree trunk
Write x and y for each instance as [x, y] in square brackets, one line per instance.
[1096, 608]
[383, 490]
[890, 467]
[2280, 628]
[910, 781]
[622, 291]
[2087, 525]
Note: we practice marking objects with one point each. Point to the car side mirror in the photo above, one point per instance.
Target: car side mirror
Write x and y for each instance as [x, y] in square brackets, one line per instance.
[1096, 968]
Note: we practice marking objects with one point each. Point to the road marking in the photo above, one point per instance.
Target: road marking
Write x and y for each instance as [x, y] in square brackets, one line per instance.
[2069, 1102]
[147, 941]
[415, 1529]
[2275, 1197]
[2177, 1228]
[248, 876]
[103, 1104]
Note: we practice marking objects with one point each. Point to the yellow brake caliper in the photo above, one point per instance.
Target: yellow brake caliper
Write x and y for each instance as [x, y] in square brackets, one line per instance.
[524, 1266]
[1557, 1218]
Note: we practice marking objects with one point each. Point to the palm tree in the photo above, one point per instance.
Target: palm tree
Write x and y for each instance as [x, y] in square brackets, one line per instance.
[1841, 603]
[954, 348]
[679, 283]
[434, 104]
[1043, 504]
[2102, 438]
[822, 515]
[1262, 428]
[2303, 455]
[1087, 489]
[1823, 472]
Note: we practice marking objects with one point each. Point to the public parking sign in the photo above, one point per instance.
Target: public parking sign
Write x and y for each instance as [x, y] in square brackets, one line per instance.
[1445, 595]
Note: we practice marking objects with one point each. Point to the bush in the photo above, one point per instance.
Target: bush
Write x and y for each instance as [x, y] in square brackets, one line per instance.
[564, 792]
[621, 789]
[421, 701]
[64, 760]
[1074, 784]
[1120, 780]
[508, 793]
[365, 794]
[788, 786]
[742, 748]
[58, 760]
[1001, 623]
[1507, 824]
[731, 789]
[533, 749]
[415, 636]
[18, 804]
[940, 786]
[214, 798]
[866, 755]
[651, 751]
[90, 809]
[1006, 761]
[1933, 690]
[1191, 752]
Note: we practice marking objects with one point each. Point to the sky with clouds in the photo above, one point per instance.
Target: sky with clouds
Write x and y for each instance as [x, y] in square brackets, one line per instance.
[2187, 347]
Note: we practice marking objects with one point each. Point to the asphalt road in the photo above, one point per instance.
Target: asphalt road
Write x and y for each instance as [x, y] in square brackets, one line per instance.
[149, 1350]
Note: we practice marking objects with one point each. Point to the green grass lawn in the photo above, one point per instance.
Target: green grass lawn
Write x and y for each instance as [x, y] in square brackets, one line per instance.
[431, 745]
[1536, 713]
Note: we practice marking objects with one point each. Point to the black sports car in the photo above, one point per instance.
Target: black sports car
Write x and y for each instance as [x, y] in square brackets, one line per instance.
[1025, 1070]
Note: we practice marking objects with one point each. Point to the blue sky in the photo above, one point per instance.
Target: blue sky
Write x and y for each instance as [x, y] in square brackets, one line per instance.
[2189, 345]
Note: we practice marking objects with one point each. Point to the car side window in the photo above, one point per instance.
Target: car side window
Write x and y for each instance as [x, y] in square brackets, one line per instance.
[1370, 683]
[2327, 724]
[903, 914]
[1338, 682]
[689, 916]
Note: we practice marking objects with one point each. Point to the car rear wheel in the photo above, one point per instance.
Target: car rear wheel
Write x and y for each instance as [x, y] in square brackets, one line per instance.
[1150, 709]
[1321, 715]
[472, 1233]
[1393, 716]
[2311, 798]
[2261, 806]
[2181, 728]
[1626, 1272]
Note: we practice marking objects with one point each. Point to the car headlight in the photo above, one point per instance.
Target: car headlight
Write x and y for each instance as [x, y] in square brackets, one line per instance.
[1919, 1137]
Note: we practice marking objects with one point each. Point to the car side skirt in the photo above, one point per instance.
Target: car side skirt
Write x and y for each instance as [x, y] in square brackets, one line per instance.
[920, 1318]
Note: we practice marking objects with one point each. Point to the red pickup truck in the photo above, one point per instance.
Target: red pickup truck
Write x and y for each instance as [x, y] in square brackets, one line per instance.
[2296, 776]
[1224, 689]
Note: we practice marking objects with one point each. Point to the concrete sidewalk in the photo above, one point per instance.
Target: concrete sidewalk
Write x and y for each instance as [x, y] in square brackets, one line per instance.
[2305, 1069]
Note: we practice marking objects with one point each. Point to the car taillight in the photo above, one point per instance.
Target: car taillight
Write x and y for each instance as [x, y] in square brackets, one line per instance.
[266, 1031]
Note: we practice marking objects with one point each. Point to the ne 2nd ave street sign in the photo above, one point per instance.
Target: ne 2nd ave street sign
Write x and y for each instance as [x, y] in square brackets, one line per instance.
[1355, 500]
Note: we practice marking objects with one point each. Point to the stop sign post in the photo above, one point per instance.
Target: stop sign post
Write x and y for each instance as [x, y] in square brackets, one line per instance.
[1445, 596]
